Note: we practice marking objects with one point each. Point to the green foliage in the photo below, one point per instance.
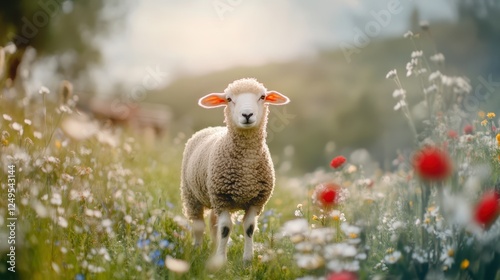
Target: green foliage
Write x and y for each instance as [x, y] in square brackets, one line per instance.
[66, 30]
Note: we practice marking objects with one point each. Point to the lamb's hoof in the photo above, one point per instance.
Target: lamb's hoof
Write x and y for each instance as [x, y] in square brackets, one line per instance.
[216, 262]
[247, 261]
[197, 246]
[247, 257]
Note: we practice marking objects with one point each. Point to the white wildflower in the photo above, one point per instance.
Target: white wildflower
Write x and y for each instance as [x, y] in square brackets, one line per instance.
[106, 137]
[176, 265]
[434, 75]
[350, 230]
[336, 250]
[293, 227]
[62, 222]
[309, 262]
[52, 159]
[27, 121]
[437, 58]
[128, 219]
[391, 74]
[399, 93]
[97, 214]
[448, 255]
[321, 235]
[393, 257]
[7, 117]
[56, 268]
[16, 126]
[417, 54]
[399, 105]
[430, 89]
[66, 177]
[421, 71]
[408, 34]
[43, 90]
[40, 209]
[106, 223]
[56, 199]
[79, 128]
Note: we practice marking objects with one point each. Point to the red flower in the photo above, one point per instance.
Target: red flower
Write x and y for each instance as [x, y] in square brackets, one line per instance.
[452, 134]
[487, 209]
[344, 275]
[432, 164]
[468, 129]
[326, 194]
[337, 162]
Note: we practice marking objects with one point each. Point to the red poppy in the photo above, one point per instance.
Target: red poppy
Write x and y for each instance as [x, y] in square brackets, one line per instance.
[344, 275]
[432, 164]
[326, 194]
[452, 134]
[468, 129]
[487, 209]
[337, 162]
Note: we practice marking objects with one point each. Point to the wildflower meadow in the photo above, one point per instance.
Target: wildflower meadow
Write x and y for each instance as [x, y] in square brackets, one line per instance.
[81, 199]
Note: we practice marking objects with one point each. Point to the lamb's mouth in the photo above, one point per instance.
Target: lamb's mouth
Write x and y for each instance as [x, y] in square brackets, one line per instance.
[247, 124]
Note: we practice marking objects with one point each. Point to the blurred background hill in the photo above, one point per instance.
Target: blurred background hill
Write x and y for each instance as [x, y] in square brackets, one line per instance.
[173, 53]
[349, 104]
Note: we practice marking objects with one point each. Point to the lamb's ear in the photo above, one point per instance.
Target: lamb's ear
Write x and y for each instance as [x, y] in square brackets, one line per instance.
[213, 100]
[276, 98]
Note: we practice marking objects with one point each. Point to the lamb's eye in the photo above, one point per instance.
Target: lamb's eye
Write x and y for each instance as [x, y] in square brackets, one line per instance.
[262, 97]
[229, 99]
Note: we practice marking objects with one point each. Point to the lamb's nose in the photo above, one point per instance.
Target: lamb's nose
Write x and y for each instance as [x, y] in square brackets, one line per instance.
[247, 116]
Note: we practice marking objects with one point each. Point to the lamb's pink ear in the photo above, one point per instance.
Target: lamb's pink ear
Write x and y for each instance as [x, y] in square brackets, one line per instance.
[276, 98]
[213, 100]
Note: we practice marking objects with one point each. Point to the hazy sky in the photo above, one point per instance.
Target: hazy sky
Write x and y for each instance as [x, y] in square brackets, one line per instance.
[200, 36]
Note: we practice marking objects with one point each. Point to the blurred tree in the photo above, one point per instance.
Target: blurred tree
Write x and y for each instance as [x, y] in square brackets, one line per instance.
[66, 28]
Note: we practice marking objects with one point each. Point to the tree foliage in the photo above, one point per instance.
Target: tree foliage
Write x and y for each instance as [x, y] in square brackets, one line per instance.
[64, 29]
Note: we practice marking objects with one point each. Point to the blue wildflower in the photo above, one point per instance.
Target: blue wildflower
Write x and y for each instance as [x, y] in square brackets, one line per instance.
[143, 243]
[160, 262]
[164, 243]
[79, 277]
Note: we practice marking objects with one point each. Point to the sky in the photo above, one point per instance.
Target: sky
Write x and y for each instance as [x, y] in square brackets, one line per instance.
[173, 37]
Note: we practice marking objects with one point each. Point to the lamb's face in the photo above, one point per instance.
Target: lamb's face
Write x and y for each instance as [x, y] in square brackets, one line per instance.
[246, 109]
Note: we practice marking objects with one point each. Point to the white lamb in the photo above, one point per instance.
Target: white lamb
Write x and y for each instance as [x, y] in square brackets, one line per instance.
[230, 168]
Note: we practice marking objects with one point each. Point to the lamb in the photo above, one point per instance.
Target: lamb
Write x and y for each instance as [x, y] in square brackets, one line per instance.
[229, 168]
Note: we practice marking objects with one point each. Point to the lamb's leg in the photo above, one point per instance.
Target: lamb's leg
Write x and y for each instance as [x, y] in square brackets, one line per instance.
[223, 229]
[213, 228]
[198, 228]
[249, 224]
[193, 209]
